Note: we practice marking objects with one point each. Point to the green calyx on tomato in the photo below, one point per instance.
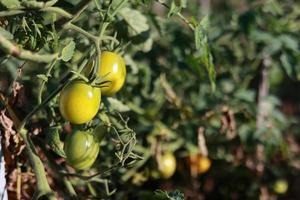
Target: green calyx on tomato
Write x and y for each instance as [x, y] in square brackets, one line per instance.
[167, 165]
[113, 71]
[81, 149]
[79, 102]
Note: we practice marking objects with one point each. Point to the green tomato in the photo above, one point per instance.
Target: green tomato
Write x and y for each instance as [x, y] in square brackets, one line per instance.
[81, 149]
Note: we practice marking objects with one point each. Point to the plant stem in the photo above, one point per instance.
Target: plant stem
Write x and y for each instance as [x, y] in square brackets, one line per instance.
[43, 187]
[56, 168]
[45, 102]
[180, 16]
[11, 49]
[93, 38]
[263, 92]
[81, 31]
[44, 82]
[84, 4]
[58, 11]
[118, 7]
[11, 12]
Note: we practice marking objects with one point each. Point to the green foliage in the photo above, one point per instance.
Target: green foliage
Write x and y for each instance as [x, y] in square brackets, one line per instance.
[221, 74]
[68, 51]
[53, 140]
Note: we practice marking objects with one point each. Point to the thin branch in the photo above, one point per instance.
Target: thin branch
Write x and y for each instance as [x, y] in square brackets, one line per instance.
[179, 15]
[41, 89]
[58, 11]
[7, 13]
[263, 91]
[13, 50]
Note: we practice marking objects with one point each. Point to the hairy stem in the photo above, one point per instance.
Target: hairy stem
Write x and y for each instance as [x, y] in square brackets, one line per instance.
[180, 16]
[57, 169]
[43, 187]
[263, 91]
[41, 89]
[13, 50]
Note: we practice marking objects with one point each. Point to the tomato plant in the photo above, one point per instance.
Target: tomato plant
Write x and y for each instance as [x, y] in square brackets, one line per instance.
[209, 78]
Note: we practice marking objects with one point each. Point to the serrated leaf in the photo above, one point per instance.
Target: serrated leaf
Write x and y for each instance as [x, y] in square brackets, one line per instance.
[173, 195]
[176, 7]
[137, 22]
[201, 34]
[117, 105]
[6, 34]
[53, 140]
[10, 3]
[288, 66]
[68, 51]
[176, 195]
[43, 77]
[104, 118]
[289, 42]
[205, 57]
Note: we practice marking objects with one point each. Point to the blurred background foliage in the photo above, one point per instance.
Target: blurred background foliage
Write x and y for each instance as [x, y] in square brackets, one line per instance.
[244, 115]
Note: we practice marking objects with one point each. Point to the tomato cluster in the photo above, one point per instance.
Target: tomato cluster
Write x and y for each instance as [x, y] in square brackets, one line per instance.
[79, 103]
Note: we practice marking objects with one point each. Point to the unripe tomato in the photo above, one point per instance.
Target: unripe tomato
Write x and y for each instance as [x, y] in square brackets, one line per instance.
[81, 149]
[204, 164]
[280, 186]
[112, 68]
[167, 165]
[79, 102]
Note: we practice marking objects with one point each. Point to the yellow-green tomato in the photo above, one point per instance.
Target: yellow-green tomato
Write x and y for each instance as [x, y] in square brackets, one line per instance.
[280, 186]
[167, 165]
[79, 102]
[112, 68]
[81, 150]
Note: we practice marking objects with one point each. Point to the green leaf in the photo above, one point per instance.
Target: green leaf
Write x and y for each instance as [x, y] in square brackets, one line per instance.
[68, 51]
[289, 42]
[117, 105]
[173, 195]
[176, 195]
[147, 1]
[6, 34]
[137, 22]
[176, 7]
[10, 3]
[288, 66]
[53, 140]
[202, 47]
[201, 34]
[42, 77]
